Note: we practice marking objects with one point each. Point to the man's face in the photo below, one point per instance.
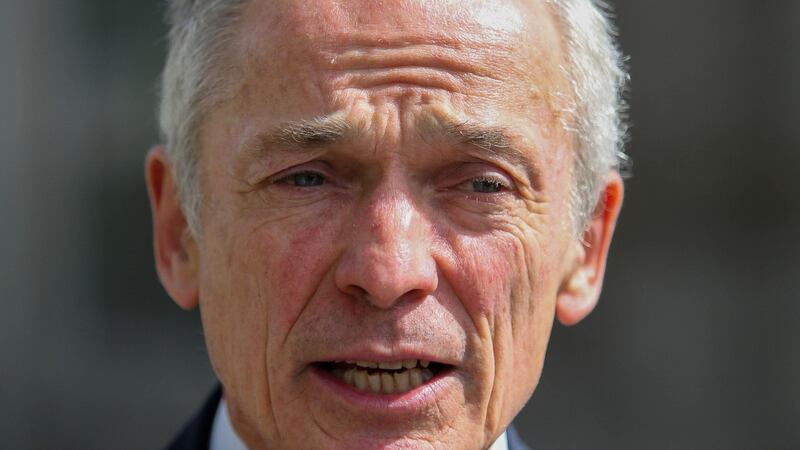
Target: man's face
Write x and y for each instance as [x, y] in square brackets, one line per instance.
[386, 184]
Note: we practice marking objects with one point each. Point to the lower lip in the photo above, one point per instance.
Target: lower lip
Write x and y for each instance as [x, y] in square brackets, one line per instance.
[418, 398]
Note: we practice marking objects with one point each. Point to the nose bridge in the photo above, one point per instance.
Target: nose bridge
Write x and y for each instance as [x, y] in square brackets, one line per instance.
[390, 221]
[389, 254]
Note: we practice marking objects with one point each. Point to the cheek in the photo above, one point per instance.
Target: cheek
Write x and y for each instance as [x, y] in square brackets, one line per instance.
[484, 281]
[255, 284]
[257, 279]
[493, 273]
[508, 289]
[234, 318]
[296, 261]
[296, 253]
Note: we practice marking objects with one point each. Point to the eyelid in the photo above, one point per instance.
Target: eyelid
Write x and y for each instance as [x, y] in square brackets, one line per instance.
[494, 176]
[315, 167]
[468, 186]
[503, 181]
[462, 171]
[289, 173]
[289, 180]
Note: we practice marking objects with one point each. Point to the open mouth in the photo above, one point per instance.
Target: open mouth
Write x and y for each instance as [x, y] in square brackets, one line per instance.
[394, 377]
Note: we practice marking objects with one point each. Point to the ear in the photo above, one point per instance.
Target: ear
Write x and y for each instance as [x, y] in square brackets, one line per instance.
[581, 287]
[173, 244]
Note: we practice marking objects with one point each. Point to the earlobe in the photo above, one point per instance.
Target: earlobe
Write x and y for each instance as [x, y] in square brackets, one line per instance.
[577, 297]
[583, 282]
[174, 247]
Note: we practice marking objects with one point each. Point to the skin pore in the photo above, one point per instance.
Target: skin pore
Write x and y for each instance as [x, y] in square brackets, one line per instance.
[387, 181]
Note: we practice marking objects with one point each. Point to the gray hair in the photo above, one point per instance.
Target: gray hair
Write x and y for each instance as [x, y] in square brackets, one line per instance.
[595, 109]
[201, 30]
[199, 35]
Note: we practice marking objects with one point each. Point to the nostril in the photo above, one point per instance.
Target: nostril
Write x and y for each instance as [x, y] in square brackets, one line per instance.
[415, 294]
[356, 291]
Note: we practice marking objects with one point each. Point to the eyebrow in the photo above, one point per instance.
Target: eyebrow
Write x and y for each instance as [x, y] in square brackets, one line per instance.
[291, 136]
[494, 140]
[315, 132]
[324, 131]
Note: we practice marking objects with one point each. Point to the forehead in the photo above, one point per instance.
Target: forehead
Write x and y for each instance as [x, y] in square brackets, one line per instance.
[335, 21]
[297, 47]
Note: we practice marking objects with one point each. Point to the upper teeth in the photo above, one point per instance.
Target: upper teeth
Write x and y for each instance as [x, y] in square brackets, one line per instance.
[392, 365]
[407, 375]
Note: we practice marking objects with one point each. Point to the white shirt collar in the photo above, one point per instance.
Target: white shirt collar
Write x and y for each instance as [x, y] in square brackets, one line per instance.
[224, 438]
[501, 443]
[222, 435]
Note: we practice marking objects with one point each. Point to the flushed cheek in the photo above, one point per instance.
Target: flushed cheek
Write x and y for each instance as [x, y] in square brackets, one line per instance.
[280, 252]
[255, 284]
[486, 274]
[299, 258]
[485, 283]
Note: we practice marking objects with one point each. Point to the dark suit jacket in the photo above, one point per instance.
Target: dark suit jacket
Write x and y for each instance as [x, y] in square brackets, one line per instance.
[197, 433]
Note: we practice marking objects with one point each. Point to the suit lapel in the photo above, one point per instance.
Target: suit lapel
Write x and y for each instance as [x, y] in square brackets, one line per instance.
[196, 434]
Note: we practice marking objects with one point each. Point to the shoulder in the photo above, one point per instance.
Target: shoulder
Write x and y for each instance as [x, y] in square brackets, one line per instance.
[196, 433]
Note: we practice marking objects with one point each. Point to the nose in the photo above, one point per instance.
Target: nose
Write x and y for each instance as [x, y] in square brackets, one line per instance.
[388, 258]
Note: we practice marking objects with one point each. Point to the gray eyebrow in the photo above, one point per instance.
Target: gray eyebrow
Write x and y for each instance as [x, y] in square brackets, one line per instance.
[331, 129]
[494, 140]
[313, 132]
[291, 136]
[483, 137]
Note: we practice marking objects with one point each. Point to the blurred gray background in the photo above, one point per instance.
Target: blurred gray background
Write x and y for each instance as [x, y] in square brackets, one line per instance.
[695, 343]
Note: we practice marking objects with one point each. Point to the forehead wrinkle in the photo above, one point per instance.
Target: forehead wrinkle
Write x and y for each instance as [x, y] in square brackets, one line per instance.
[482, 50]
[422, 64]
[405, 21]
[365, 50]
[332, 31]
[478, 52]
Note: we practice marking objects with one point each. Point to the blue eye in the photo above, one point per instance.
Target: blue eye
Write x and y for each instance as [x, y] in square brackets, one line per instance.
[304, 179]
[486, 185]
